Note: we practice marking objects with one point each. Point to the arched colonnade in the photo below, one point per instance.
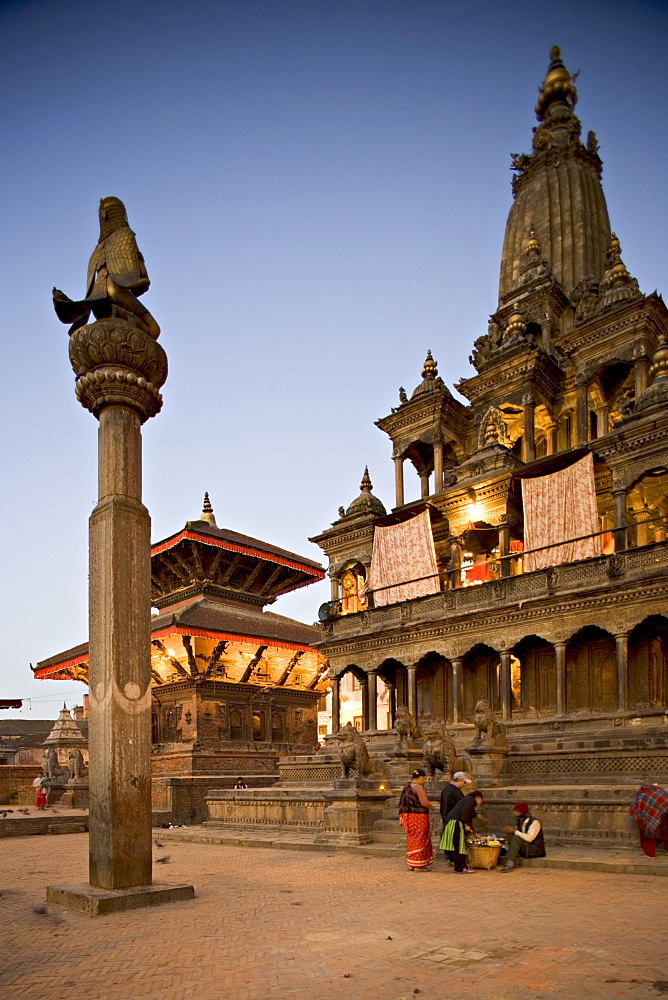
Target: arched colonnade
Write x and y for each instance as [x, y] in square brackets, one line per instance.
[594, 670]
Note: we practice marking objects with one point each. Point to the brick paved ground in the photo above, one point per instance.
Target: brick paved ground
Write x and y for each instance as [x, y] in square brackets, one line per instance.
[280, 925]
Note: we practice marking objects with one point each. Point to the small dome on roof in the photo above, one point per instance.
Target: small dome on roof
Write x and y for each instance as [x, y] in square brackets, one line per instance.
[431, 382]
[366, 502]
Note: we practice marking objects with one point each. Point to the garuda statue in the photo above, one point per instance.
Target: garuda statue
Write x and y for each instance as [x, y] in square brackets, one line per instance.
[116, 277]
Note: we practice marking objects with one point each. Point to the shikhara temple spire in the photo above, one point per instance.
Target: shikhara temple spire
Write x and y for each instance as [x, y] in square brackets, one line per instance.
[207, 512]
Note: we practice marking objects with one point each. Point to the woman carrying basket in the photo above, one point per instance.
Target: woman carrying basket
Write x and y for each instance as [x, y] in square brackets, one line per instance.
[414, 808]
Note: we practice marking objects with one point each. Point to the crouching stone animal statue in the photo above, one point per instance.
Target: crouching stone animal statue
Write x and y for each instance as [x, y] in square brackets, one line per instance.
[439, 750]
[405, 726]
[52, 769]
[355, 756]
[487, 730]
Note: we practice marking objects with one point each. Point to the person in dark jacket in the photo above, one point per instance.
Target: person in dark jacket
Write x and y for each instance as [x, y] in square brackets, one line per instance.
[450, 796]
[458, 823]
[526, 839]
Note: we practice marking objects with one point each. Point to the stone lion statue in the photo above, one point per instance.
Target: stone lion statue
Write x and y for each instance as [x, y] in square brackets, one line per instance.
[487, 730]
[439, 749]
[52, 768]
[76, 764]
[355, 756]
[405, 726]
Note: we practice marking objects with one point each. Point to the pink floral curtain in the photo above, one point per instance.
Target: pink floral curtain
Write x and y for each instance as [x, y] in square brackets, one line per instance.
[402, 553]
[557, 508]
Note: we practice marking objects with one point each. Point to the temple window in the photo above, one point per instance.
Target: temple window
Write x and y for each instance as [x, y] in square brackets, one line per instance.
[236, 726]
[353, 582]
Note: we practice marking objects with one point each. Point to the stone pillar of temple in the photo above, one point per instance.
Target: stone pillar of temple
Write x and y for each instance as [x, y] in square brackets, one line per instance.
[504, 547]
[551, 431]
[364, 687]
[336, 702]
[457, 691]
[438, 467]
[372, 698]
[455, 561]
[424, 485]
[119, 368]
[411, 672]
[333, 588]
[529, 435]
[619, 497]
[504, 684]
[560, 668]
[399, 480]
[622, 658]
[581, 411]
[642, 527]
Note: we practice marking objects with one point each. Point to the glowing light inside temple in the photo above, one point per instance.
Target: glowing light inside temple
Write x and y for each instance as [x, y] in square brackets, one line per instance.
[475, 511]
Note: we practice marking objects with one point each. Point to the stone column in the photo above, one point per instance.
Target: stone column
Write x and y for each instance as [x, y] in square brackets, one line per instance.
[411, 672]
[372, 685]
[581, 410]
[504, 547]
[399, 480]
[603, 420]
[551, 432]
[438, 467]
[334, 588]
[457, 693]
[619, 496]
[364, 687]
[424, 485]
[622, 657]
[529, 436]
[504, 684]
[336, 702]
[641, 372]
[642, 527]
[560, 667]
[456, 561]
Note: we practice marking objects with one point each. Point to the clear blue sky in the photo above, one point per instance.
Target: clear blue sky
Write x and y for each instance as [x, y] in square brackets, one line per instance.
[320, 191]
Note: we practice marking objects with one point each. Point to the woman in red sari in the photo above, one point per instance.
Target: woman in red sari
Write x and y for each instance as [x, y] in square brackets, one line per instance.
[414, 808]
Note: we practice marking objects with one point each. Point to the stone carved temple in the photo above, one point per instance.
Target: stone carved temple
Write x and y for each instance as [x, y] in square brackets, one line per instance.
[233, 685]
[567, 643]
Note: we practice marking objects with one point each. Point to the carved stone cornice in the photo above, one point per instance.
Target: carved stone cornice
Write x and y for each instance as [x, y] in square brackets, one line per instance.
[117, 364]
[509, 381]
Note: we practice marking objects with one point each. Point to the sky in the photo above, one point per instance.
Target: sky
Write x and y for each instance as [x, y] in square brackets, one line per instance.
[319, 189]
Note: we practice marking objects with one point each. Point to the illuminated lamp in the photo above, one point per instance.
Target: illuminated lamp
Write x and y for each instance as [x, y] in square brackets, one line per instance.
[475, 511]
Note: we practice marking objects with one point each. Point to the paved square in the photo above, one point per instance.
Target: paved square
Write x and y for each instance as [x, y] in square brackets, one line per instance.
[296, 925]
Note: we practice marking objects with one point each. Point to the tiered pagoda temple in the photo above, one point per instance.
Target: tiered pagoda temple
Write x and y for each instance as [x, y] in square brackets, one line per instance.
[233, 684]
[565, 437]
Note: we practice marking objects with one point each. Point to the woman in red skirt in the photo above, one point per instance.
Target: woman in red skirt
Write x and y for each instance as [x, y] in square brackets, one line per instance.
[414, 808]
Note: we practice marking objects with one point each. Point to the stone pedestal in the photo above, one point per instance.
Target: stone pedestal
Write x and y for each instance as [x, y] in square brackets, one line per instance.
[488, 763]
[95, 901]
[353, 806]
[75, 795]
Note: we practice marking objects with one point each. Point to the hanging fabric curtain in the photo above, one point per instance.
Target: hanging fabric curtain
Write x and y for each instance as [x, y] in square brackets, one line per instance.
[557, 508]
[403, 561]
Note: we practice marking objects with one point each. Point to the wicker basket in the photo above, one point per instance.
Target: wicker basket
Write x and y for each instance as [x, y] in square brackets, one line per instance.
[483, 857]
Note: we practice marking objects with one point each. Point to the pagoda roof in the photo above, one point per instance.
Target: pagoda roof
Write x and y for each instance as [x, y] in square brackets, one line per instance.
[204, 558]
[201, 617]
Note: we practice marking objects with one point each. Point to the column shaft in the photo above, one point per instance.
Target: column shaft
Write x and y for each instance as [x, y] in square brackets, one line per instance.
[582, 428]
[504, 684]
[529, 436]
[641, 372]
[412, 691]
[619, 497]
[119, 661]
[622, 657]
[457, 699]
[399, 480]
[560, 666]
[504, 548]
[438, 467]
[372, 685]
[336, 703]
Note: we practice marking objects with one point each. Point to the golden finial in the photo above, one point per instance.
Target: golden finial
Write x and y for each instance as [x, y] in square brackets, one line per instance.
[516, 324]
[533, 246]
[366, 485]
[617, 273]
[207, 512]
[659, 366]
[429, 369]
[558, 86]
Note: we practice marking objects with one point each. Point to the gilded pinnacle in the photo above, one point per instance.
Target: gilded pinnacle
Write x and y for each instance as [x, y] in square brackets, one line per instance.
[366, 485]
[618, 274]
[429, 369]
[533, 246]
[207, 511]
[557, 88]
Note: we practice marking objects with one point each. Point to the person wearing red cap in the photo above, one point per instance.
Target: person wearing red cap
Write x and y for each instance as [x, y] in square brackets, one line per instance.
[526, 839]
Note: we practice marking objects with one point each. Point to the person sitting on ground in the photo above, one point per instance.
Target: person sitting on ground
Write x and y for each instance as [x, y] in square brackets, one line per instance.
[450, 796]
[526, 838]
[458, 823]
[650, 811]
[241, 783]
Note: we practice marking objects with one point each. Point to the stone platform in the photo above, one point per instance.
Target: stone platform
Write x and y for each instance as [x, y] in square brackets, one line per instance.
[95, 901]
